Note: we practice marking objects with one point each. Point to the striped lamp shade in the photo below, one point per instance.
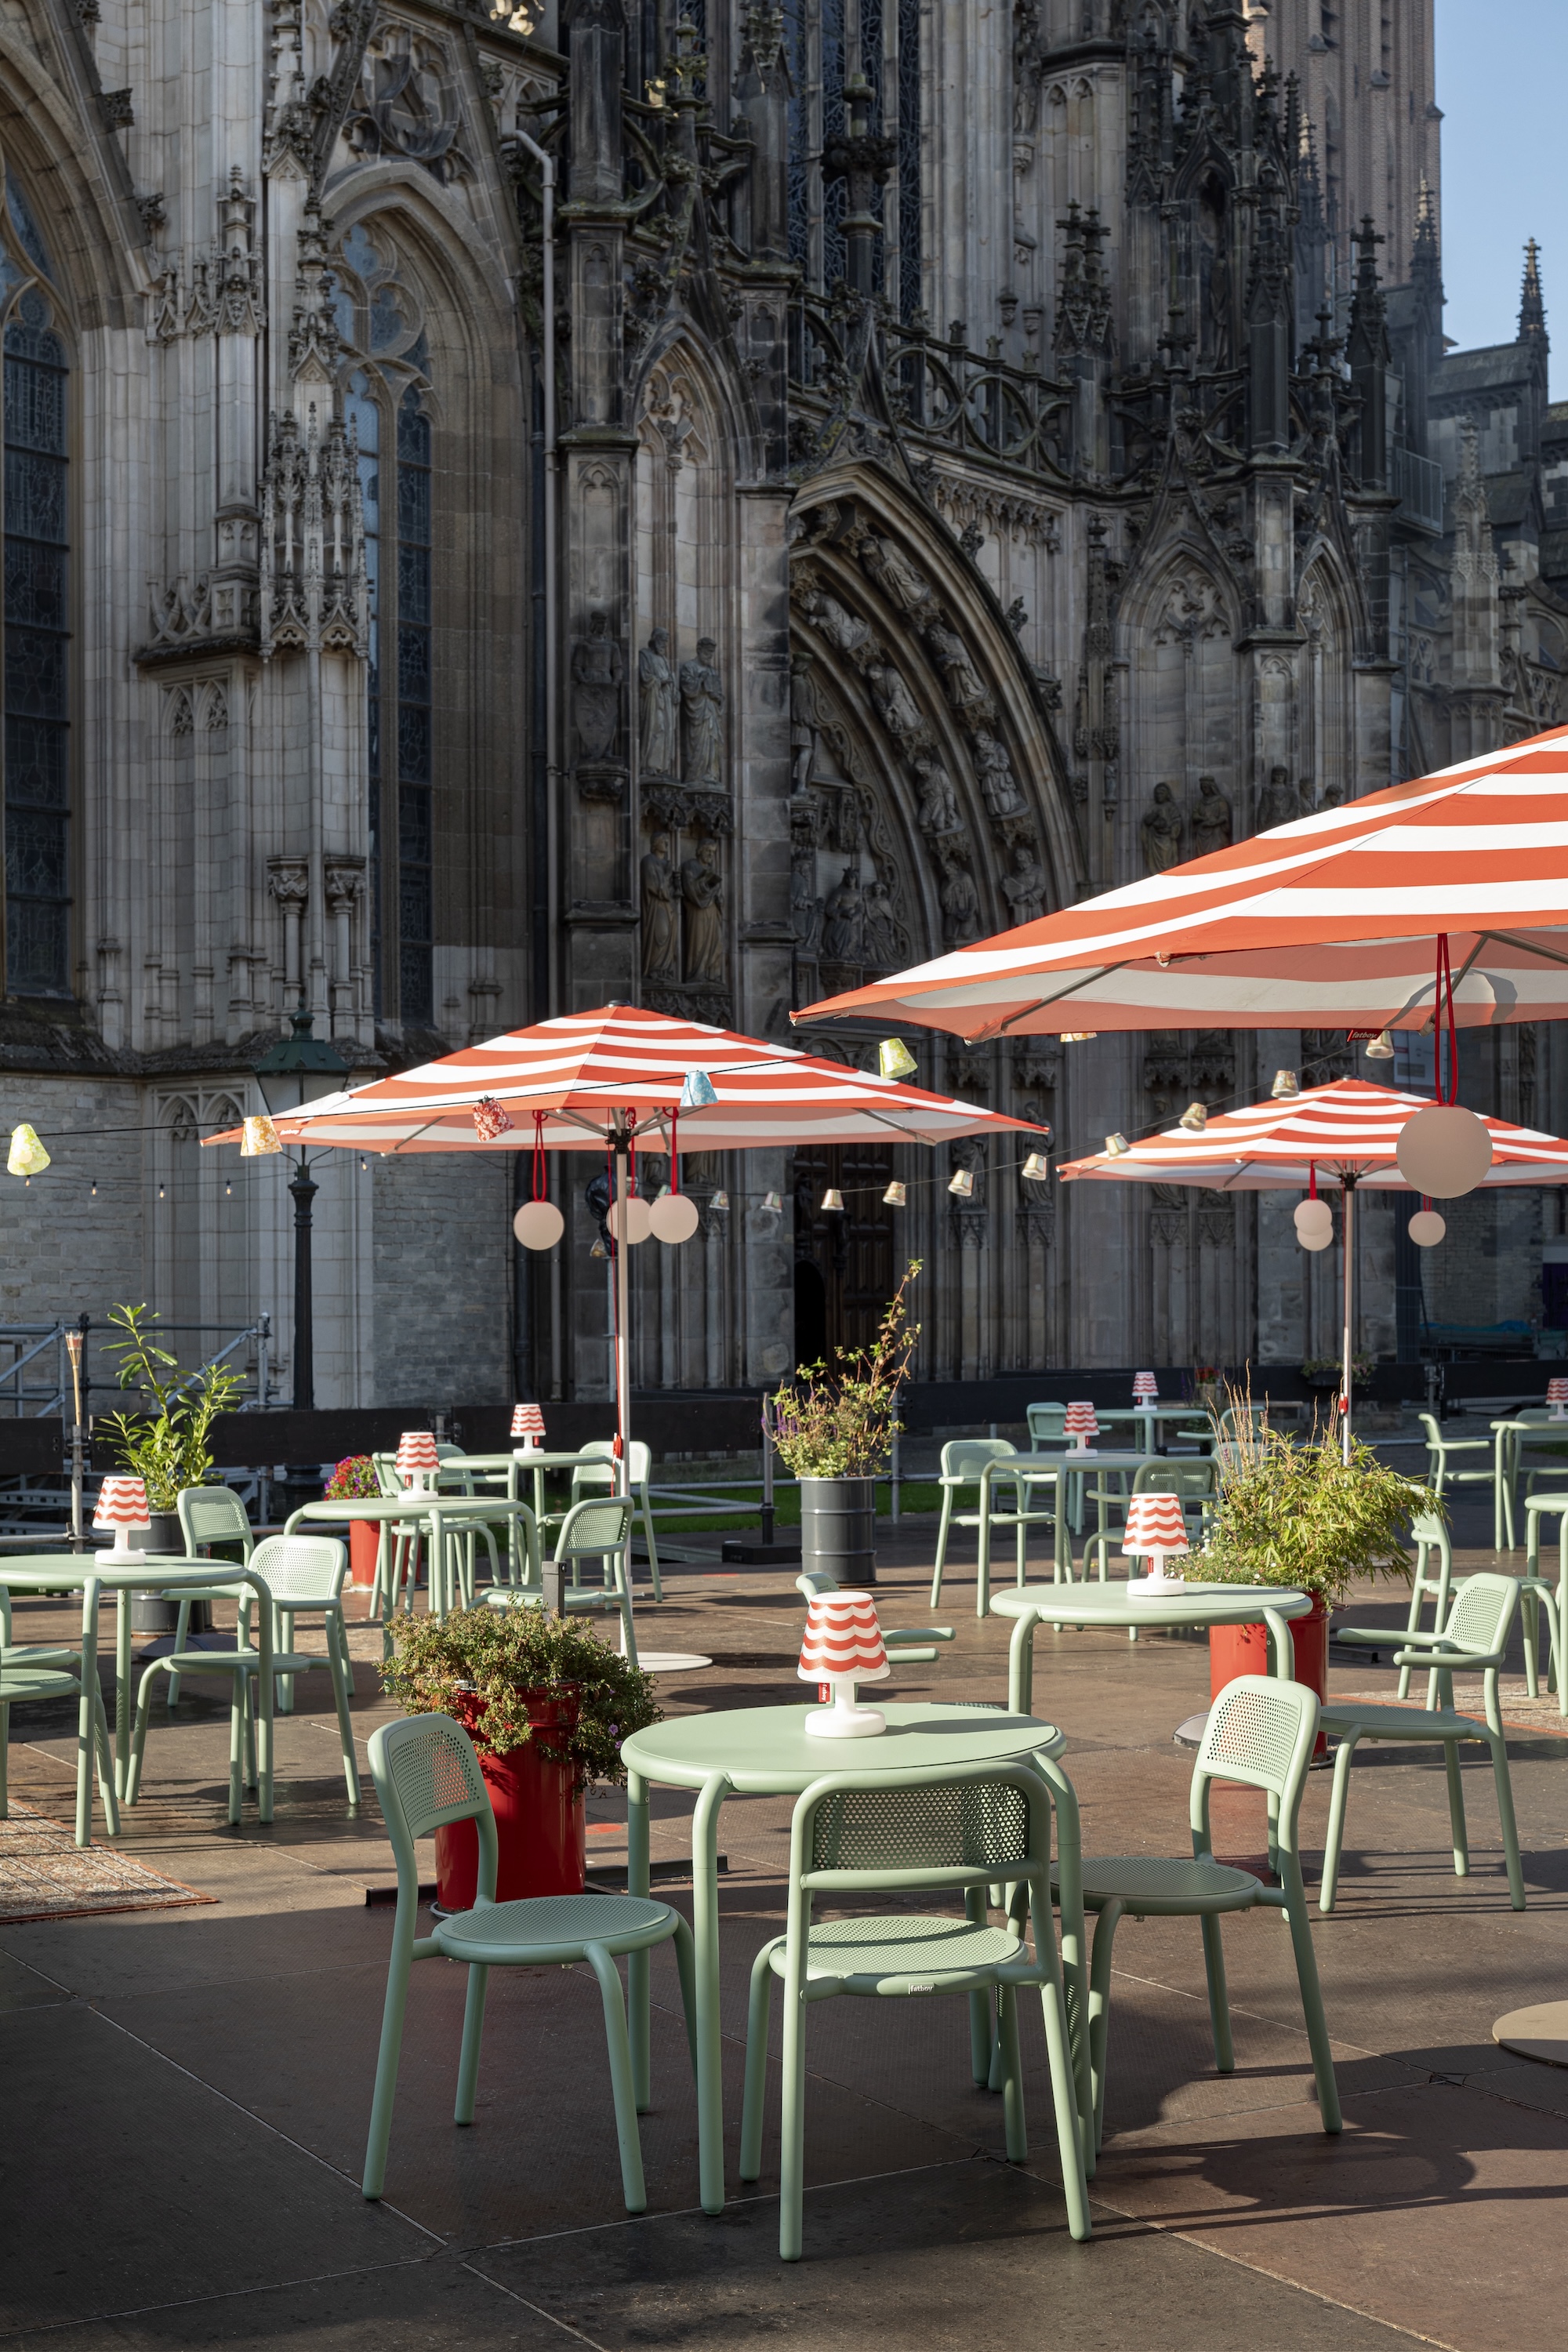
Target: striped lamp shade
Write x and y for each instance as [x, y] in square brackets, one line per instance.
[1154, 1524]
[415, 1453]
[843, 1640]
[1081, 1421]
[1557, 1392]
[121, 1503]
[1144, 1390]
[527, 1421]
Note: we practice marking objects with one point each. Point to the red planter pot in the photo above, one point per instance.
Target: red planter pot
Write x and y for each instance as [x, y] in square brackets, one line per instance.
[1243, 1650]
[365, 1543]
[541, 1826]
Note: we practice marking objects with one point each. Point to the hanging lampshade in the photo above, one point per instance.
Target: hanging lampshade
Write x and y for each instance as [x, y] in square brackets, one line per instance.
[1115, 1145]
[598, 1249]
[1194, 1118]
[673, 1217]
[259, 1139]
[1426, 1228]
[721, 1201]
[539, 1224]
[1380, 1048]
[774, 1201]
[894, 1059]
[1078, 1036]
[1443, 1150]
[832, 1199]
[896, 1196]
[1036, 1168]
[961, 1181]
[28, 1157]
[491, 1118]
[698, 1091]
[1286, 1084]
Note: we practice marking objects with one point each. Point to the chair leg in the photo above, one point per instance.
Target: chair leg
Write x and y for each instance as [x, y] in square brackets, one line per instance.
[1296, 1915]
[105, 1771]
[1456, 1809]
[755, 2092]
[473, 2033]
[983, 1560]
[139, 1734]
[238, 1728]
[1334, 1838]
[391, 2050]
[1529, 1627]
[1099, 2008]
[5, 1763]
[1070, 2124]
[942, 1544]
[686, 1971]
[652, 1548]
[1504, 1786]
[632, 2186]
[181, 1636]
[1013, 2119]
[345, 1728]
[792, 2126]
[1219, 1999]
[335, 1617]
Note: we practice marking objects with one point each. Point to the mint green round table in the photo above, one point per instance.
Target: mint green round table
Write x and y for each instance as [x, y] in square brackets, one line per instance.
[765, 1751]
[1111, 1604]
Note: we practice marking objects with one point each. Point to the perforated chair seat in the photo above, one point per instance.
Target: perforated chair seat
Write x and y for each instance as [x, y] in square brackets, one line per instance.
[908, 1955]
[1149, 1887]
[553, 1929]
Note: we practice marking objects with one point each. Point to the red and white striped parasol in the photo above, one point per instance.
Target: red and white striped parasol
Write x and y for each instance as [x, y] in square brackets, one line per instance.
[1331, 922]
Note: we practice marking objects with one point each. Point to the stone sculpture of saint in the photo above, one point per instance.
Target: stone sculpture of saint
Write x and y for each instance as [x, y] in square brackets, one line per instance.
[843, 920]
[960, 904]
[951, 654]
[897, 579]
[701, 705]
[938, 811]
[1024, 887]
[802, 716]
[660, 912]
[658, 746]
[702, 888]
[998, 784]
[1212, 823]
[882, 950]
[1277, 804]
[846, 630]
[1161, 831]
[804, 906]
[596, 673]
[900, 711]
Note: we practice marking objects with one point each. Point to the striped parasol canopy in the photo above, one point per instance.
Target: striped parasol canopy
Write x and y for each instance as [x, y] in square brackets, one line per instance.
[1331, 922]
[1348, 1128]
[586, 1072]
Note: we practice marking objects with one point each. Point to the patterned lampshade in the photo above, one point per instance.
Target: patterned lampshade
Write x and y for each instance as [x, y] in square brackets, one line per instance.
[491, 1119]
[121, 1503]
[527, 1421]
[1081, 1421]
[1144, 1388]
[1557, 1392]
[415, 1453]
[1154, 1524]
[843, 1640]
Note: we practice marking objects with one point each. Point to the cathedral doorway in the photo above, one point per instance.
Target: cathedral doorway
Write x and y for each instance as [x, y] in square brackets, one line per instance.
[845, 1259]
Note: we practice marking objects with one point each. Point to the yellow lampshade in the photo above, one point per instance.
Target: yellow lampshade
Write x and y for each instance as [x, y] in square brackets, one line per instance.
[1286, 1084]
[259, 1139]
[894, 1059]
[28, 1156]
[1194, 1118]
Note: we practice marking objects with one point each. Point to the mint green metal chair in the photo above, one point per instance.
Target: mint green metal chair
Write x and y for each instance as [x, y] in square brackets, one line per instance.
[427, 1776]
[301, 1572]
[31, 1653]
[1428, 1532]
[955, 1832]
[981, 1463]
[588, 1478]
[1538, 1593]
[208, 1514]
[599, 1527]
[1442, 1453]
[1261, 1732]
[25, 1681]
[1048, 1424]
[1474, 1637]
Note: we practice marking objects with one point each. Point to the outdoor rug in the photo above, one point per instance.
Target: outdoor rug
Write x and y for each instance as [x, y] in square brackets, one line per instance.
[44, 1875]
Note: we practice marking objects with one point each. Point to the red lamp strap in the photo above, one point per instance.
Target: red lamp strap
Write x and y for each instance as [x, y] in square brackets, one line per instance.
[1312, 1180]
[674, 1152]
[538, 1174]
[1443, 1002]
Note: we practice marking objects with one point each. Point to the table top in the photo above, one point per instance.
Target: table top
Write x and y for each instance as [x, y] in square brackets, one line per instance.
[1043, 1465]
[394, 1507]
[766, 1751]
[1108, 1604]
[560, 1458]
[46, 1572]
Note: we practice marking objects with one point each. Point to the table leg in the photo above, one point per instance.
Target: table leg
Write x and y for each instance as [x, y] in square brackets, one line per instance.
[265, 1698]
[87, 1727]
[1021, 1666]
[1562, 1613]
[709, 2041]
[1075, 1943]
[121, 1688]
[638, 1971]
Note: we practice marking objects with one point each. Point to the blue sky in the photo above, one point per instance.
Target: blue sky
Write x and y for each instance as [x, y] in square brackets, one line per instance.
[1502, 70]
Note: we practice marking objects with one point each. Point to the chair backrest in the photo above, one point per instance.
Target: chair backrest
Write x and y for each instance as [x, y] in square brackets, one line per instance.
[1429, 1527]
[966, 1457]
[1237, 1418]
[811, 1581]
[427, 1776]
[1481, 1616]
[386, 1477]
[1194, 1481]
[1261, 1731]
[301, 1566]
[601, 1524]
[640, 1462]
[210, 1515]
[1045, 1421]
[937, 1828]
[1429, 1424]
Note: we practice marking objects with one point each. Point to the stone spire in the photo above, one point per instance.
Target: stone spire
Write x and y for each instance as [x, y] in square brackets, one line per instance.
[1477, 671]
[1531, 308]
[1368, 354]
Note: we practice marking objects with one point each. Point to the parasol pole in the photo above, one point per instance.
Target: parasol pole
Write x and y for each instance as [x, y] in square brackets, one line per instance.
[622, 1143]
[1345, 1369]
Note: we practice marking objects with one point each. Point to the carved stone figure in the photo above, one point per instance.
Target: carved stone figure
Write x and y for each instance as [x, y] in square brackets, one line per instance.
[960, 902]
[1162, 830]
[802, 721]
[597, 671]
[1024, 887]
[845, 630]
[998, 785]
[843, 920]
[702, 887]
[804, 906]
[899, 580]
[950, 654]
[660, 912]
[883, 952]
[899, 709]
[701, 702]
[938, 811]
[1334, 796]
[658, 747]
[1212, 823]
[1277, 804]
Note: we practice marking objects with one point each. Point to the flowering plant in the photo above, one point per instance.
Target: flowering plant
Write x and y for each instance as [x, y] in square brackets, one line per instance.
[482, 1666]
[838, 1422]
[354, 1479]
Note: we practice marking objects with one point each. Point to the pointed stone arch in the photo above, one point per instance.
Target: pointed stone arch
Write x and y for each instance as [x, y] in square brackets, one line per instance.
[1327, 611]
[1177, 633]
[930, 803]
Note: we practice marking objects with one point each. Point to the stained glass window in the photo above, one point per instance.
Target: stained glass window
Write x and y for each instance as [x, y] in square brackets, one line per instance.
[37, 647]
[416, 896]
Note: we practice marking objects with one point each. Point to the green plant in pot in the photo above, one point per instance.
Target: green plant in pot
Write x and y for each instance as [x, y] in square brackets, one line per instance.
[547, 1705]
[169, 1448]
[1293, 1512]
[354, 1479]
[834, 1428]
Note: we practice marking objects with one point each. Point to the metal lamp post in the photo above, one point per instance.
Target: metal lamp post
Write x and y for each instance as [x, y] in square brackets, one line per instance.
[298, 1070]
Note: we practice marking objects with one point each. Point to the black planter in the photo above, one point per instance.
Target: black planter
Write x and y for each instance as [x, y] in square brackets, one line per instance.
[838, 1529]
[150, 1613]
